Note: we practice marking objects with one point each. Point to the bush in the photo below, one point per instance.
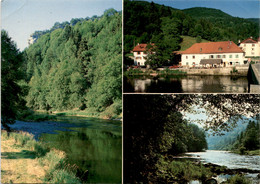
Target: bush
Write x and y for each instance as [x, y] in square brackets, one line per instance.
[238, 179]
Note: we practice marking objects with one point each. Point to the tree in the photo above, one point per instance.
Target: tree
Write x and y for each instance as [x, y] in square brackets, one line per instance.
[12, 94]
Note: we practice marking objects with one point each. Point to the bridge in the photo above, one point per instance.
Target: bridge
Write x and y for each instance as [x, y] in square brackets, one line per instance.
[254, 78]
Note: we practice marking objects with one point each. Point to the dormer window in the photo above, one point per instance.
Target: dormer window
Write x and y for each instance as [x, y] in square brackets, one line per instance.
[200, 49]
[220, 49]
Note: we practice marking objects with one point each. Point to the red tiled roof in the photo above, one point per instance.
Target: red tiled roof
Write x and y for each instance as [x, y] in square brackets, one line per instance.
[249, 40]
[141, 47]
[213, 47]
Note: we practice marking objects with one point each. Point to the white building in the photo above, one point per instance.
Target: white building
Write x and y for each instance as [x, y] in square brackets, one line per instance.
[213, 54]
[140, 54]
[251, 47]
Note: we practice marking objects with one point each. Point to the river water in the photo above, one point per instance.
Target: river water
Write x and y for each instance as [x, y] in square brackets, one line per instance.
[92, 144]
[186, 84]
[230, 160]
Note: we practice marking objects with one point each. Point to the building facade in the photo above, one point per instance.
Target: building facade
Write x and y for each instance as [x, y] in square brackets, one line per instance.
[213, 54]
[251, 47]
[140, 54]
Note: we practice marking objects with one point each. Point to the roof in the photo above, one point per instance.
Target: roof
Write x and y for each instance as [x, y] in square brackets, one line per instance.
[141, 47]
[211, 61]
[213, 47]
[249, 40]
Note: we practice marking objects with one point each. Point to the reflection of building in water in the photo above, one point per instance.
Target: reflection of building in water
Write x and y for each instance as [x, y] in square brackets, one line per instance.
[214, 84]
[191, 84]
[141, 85]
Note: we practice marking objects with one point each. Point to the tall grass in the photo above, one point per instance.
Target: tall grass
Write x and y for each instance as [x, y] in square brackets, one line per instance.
[54, 161]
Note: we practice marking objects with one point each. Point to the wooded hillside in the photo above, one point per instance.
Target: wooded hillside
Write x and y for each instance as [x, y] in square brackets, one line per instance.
[78, 66]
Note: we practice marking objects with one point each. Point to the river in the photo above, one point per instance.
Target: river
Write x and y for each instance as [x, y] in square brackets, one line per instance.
[186, 84]
[90, 143]
[230, 160]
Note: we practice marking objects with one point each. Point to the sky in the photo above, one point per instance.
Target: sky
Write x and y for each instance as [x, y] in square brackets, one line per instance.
[21, 18]
[235, 8]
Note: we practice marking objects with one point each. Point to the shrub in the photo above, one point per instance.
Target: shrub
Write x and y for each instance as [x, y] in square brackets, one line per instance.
[238, 179]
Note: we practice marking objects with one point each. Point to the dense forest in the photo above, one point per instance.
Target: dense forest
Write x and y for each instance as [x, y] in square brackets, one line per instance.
[146, 22]
[249, 139]
[244, 137]
[78, 66]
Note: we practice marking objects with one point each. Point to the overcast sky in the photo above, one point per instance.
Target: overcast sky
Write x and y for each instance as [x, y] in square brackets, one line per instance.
[236, 8]
[20, 18]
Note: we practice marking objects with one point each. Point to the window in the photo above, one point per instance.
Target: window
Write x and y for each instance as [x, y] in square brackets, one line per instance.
[211, 56]
[193, 57]
[252, 48]
[218, 56]
[230, 56]
[138, 53]
[252, 53]
[224, 56]
[237, 56]
[186, 57]
[220, 48]
[187, 63]
[253, 45]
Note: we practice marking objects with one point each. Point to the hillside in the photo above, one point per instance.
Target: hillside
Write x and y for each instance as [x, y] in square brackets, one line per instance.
[149, 22]
[201, 12]
[77, 67]
[225, 141]
[188, 41]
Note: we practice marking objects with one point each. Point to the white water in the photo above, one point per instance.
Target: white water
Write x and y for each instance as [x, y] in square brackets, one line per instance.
[225, 158]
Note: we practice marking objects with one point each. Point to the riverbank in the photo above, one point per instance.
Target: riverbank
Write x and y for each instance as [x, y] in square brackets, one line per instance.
[227, 71]
[25, 160]
[247, 152]
[42, 115]
[176, 171]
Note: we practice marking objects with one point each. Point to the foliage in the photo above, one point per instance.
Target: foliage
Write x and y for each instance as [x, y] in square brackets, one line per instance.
[77, 66]
[169, 171]
[238, 179]
[248, 139]
[12, 101]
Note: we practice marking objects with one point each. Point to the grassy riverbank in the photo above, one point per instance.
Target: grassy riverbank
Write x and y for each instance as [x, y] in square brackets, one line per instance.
[42, 115]
[247, 152]
[25, 160]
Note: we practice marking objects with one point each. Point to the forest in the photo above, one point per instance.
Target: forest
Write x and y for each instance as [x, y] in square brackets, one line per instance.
[146, 22]
[75, 67]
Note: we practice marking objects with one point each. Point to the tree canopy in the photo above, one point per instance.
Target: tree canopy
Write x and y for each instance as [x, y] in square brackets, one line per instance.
[12, 101]
[77, 66]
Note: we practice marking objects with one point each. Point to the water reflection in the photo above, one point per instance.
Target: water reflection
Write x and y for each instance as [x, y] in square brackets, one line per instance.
[97, 150]
[186, 84]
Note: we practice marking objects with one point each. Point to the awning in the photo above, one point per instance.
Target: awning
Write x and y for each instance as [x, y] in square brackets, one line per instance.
[210, 61]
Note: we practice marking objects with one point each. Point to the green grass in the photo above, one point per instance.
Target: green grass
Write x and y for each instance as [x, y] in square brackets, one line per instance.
[133, 72]
[188, 42]
[171, 72]
[55, 160]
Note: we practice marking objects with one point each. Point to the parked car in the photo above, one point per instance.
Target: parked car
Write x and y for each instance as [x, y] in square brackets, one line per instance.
[174, 66]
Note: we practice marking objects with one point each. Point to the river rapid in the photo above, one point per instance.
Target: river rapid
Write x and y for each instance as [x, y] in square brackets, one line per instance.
[230, 160]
